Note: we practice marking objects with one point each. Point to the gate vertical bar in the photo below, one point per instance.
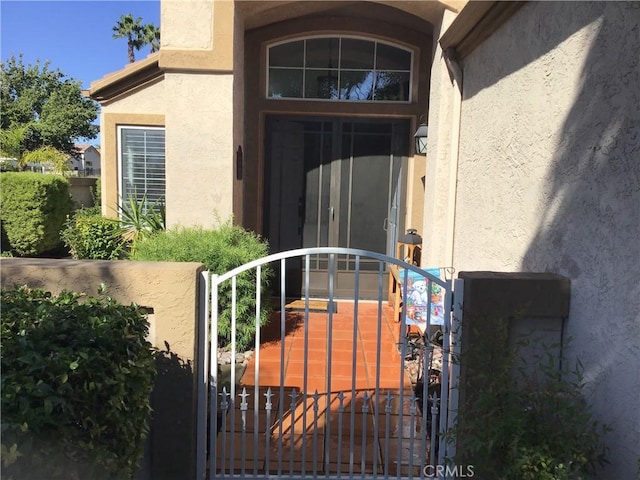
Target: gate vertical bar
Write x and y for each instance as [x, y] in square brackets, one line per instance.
[307, 265]
[232, 386]
[203, 375]
[403, 352]
[446, 354]
[213, 372]
[283, 269]
[256, 360]
[354, 360]
[456, 347]
[327, 433]
[376, 397]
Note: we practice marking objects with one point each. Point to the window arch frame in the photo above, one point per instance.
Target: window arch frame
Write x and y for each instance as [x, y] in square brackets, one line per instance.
[304, 68]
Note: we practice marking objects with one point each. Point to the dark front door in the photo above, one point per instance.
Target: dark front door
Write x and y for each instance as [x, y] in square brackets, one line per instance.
[334, 182]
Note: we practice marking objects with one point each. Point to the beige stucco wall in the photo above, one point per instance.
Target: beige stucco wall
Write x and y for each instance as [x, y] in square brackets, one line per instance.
[549, 181]
[169, 288]
[438, 164]
[142, 107]
[186, 24]
[172, 291]
[199, 148]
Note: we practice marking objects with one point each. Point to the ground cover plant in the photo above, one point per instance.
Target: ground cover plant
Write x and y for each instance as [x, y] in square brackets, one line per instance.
[77, 374]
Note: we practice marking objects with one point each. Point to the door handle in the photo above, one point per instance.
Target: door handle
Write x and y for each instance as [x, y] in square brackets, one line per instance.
[332, 213]
[385, 224]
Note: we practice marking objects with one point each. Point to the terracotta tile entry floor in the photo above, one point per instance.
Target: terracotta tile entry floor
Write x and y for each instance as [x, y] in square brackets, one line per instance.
[346, 430]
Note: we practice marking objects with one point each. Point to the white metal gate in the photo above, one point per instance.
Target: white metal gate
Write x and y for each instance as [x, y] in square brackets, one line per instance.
[265, 425]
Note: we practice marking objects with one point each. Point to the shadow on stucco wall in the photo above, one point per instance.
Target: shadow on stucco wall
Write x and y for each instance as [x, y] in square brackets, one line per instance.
[552, 184]
[590, 230]
[173, 401]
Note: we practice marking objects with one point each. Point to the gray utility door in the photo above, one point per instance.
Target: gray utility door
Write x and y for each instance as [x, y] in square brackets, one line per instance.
[334, 182]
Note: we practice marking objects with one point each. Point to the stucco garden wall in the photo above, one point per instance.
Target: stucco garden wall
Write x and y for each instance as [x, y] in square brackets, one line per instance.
[171, 291]
[549, 181]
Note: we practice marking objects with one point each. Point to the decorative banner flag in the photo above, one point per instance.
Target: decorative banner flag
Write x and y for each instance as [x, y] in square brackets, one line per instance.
[424, 299]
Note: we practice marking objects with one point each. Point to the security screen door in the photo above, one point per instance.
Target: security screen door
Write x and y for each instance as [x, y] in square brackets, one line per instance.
[334, 182]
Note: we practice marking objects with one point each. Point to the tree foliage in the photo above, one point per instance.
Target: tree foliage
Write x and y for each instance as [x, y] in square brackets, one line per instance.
[42, 107]
[138, 35]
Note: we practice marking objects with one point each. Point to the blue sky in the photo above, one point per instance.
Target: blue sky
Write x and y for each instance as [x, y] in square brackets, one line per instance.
[75, 36]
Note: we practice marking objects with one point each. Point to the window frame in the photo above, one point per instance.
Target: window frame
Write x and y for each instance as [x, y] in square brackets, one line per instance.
[304, 68]
[120, 155]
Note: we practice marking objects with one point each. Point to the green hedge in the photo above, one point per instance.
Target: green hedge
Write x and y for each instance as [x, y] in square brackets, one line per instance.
[220, 250]
[77, 373]
[89, 235]
[33, 209]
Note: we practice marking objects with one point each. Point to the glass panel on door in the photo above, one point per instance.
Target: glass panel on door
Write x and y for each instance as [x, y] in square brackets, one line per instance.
[347, 186]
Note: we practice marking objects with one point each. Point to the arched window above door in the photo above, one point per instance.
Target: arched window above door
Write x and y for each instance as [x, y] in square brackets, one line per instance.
[339, 69]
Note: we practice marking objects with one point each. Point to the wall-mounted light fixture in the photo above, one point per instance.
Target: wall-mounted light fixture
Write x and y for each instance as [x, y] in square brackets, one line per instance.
[239, 162]
[421, 139]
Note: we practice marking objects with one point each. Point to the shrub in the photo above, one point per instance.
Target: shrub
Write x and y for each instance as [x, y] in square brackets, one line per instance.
[89, 235]
[34, 208]
[524, 423]
[220, 250]
[76, 378]
[139, 218]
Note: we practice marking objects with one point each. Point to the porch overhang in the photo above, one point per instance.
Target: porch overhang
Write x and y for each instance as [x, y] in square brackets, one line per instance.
[475, 23]
[259, 13]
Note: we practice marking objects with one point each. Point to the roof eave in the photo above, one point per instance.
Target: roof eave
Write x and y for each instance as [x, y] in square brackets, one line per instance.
[133, 75]
[475, 23]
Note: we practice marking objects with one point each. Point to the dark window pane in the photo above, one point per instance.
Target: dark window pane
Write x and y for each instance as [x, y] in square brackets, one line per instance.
[373, 128]
[392, 58]
[321, 84]
[392, 86]
[357, 54]
[356, 85]
[322, 53]
[287, 55]
[285, 83]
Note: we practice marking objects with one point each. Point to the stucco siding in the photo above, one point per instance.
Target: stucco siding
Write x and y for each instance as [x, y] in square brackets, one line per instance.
[438, 158]
[187, 24]
[549, 181]
[150, 99]
[199, 148]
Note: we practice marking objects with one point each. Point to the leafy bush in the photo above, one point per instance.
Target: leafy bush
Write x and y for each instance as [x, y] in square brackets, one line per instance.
[34, 208]
[524, 423]
[89, 235]
[76, 378]
[220, 250]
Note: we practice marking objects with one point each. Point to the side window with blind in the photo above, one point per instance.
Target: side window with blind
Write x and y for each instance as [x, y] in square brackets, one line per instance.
[142, 163]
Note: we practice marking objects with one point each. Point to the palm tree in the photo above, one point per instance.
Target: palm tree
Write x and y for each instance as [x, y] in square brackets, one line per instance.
[14, 144]
[151, 37]
[131, 29]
